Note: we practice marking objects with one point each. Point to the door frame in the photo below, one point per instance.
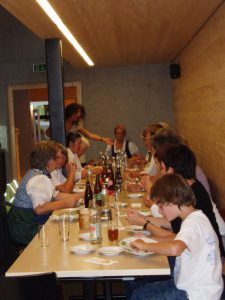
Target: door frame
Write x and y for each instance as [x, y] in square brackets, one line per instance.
[12, 136]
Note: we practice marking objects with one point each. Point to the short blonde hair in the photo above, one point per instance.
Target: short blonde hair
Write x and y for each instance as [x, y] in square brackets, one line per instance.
[85, 141]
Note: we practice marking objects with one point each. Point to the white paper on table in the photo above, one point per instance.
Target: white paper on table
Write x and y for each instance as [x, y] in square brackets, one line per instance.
[101, 261]
[135, 205]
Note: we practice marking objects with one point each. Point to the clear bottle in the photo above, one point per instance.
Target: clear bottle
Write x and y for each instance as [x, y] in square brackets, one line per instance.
[114, 164]
[98, 191]
[104, 194]
[125, 161]
[104, 174]
[111, 179]
[95, 225]
[118, 179]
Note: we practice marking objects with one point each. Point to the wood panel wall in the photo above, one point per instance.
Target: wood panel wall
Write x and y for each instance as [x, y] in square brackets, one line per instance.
[199, 100]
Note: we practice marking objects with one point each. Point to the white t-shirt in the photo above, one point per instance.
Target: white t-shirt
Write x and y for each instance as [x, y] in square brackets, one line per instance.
[198, 270]
[72, 157]
[41, 190]
[58, 177]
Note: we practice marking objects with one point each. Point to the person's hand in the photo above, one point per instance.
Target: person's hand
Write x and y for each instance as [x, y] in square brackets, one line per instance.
[96, 170]
[72, 201]
[139, 244]
[134, 187]
[147, 202]
[71, 167]
[135, 217]
[147, 182]
[108, 141]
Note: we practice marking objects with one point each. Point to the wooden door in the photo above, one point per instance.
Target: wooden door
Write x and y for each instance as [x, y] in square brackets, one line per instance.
[24, 122]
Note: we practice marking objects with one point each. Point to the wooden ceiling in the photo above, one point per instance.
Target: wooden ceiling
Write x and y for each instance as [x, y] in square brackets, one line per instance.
[119, 32]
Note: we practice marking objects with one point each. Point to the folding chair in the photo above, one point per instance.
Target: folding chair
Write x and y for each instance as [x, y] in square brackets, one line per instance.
[35, 287]
[10, 194]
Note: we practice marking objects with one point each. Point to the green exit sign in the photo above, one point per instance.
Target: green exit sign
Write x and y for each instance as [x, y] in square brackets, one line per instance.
[39, 68]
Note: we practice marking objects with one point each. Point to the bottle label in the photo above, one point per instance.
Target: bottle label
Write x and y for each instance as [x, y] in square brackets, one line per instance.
[99, 199]
[95, 232]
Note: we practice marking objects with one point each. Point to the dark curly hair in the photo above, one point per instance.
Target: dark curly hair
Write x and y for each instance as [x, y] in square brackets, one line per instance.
[74, 108]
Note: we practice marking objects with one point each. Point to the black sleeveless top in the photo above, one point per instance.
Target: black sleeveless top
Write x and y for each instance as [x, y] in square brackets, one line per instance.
[127, 150]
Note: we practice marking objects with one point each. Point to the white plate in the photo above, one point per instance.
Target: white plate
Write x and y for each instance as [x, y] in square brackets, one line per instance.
[145, 212]
[79, 189]
[54, 218]
[82, 249]
[71, 217]
[134, 195]
[111, 250]
[125, 244]
[85, 236]
[70, 210]
[120, 204]
[134, 228]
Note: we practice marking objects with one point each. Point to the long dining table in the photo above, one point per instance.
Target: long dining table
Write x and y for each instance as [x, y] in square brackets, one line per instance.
[58, 258]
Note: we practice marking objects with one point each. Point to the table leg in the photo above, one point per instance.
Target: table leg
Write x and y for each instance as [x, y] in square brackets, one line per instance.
[89, 289]
[108, 290]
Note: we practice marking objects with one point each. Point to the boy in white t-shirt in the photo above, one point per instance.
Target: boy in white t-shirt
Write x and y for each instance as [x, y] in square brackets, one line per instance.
[198, 268]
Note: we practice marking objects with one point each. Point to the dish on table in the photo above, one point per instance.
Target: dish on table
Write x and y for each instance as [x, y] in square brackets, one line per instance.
[134, 195]
[125, 244]
[137, 229]
[110, 250]
[79, 189]
[71, 213]
[85, 236]
[82, 249]
[145, 212]
[120, 204]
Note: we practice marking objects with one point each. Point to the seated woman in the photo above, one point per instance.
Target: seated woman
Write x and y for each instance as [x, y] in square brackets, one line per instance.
[36, 196]
[120, 144]
[74, 142]
[62, 183]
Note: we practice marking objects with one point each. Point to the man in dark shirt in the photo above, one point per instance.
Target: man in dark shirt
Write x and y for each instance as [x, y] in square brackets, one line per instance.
[180, 159]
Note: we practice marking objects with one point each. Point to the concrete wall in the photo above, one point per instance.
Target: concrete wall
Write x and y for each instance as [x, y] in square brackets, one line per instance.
[199, 100]
[133, 95]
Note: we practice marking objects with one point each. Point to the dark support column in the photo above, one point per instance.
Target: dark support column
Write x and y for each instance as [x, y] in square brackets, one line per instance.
[55, 89]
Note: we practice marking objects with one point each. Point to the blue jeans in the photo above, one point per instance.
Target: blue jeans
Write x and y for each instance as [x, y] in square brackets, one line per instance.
[163, 290]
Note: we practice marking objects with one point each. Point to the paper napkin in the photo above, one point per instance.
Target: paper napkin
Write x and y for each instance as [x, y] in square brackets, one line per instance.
[101, 261]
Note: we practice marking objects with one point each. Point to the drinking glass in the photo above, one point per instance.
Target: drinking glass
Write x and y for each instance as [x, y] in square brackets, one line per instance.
[113, 231]
[64, 228]
[43, 235]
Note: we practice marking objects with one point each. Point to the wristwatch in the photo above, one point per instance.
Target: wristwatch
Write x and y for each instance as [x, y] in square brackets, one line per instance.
[146, 224]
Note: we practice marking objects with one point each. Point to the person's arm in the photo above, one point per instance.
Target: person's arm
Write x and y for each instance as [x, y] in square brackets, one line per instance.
[172, 248]
[136, 218]
[133, 149]
[94, 136]
[68, 185]
[62, 201]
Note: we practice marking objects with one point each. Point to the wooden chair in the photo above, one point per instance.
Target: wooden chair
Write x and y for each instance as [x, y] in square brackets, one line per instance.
[35, 287]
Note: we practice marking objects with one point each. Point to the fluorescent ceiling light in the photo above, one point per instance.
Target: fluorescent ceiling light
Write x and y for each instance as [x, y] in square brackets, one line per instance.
[62, 27]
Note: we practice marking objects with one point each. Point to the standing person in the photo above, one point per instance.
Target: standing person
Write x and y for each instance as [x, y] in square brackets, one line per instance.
[36, 196]
[198, 268]
[121, 144]
[63, 184]
[75, 112]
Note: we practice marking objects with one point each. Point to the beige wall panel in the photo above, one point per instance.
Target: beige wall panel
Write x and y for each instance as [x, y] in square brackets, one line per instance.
[199, 100]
